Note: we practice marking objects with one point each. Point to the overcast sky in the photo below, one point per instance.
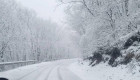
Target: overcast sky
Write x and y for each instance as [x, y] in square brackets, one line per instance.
[45, 9]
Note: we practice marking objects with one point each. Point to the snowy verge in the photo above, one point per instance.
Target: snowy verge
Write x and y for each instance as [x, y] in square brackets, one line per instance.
[103, 71]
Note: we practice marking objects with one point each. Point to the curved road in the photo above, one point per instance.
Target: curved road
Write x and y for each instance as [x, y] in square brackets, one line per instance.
[55, 70]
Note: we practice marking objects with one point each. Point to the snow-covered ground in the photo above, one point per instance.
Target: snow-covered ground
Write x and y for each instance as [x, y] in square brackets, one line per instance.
[72, 70]
[103, 71]
[54, 70]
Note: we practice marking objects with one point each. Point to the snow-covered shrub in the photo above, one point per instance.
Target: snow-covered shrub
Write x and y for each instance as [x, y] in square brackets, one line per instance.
[138, 57]
[123, 51]
[128, 58]
[105, 55]
[96, 58]
[134, 38]
[115, 53]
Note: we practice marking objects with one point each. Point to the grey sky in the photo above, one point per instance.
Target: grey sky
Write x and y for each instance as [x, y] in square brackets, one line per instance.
[45, 9]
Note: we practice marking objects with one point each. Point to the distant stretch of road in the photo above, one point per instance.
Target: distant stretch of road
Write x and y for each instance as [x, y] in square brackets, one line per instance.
[55, 70]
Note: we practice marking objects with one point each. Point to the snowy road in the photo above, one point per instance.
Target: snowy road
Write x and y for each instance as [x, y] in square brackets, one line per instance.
[56, 70]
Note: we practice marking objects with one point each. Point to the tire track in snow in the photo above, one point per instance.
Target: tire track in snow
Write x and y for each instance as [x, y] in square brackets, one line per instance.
[44, 74]
[32, 72]
[66, 74]
[59, 75]
[50, 72]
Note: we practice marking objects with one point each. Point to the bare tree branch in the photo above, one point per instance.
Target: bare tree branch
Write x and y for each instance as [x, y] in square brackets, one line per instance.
[87, 8]
[71, 2]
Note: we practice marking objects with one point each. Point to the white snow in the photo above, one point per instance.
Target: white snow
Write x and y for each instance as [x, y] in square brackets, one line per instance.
[104, 72]
[19, 72]
[73, 70]
[54, 70]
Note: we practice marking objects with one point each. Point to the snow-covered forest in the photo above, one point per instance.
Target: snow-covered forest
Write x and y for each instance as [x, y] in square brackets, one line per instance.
[24, 36]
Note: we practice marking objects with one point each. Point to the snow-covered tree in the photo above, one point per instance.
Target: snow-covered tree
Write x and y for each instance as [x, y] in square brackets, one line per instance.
[102, 22]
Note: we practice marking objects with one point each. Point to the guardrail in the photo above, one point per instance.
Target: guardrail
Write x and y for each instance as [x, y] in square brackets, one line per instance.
[11, 65]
